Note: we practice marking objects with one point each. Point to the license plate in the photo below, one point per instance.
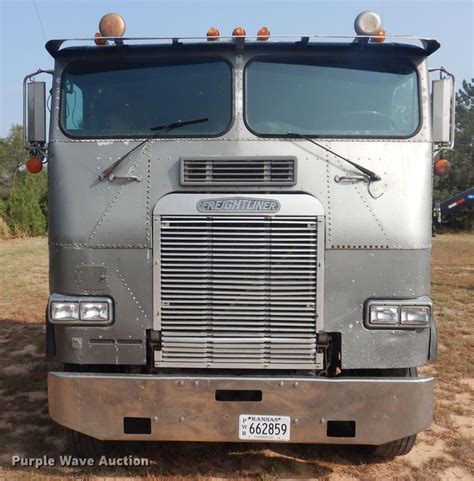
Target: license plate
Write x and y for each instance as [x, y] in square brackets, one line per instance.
[264, 428]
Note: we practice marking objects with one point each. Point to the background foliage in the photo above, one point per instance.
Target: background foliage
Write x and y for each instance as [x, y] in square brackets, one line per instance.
[461, 176]
[24, 197]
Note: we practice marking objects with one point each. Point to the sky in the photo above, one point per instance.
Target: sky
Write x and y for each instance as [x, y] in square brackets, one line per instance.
[25, 25]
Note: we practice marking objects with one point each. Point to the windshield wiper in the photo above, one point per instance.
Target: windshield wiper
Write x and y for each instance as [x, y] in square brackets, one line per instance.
[371, 175]
[161, 129]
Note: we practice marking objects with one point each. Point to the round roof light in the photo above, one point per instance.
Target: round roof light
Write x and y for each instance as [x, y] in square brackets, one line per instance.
[263, 34]
[379, 37]
[112, 25]
[99, 40]
[238, 32]
[213, 34]
[367, 23]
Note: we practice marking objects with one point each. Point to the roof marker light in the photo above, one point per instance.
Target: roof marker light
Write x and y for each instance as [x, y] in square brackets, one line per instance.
[379, 37]
[238, 32]
[100, 41]
[263, 34]
[213, 34]
[367, 23]
[112, 25]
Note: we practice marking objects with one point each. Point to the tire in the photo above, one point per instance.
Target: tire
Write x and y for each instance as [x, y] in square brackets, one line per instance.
[390, 450]
[85, 446]
[402, 446]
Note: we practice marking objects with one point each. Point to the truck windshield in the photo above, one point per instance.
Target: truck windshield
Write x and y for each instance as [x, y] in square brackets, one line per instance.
[128, 98]
[334, 97]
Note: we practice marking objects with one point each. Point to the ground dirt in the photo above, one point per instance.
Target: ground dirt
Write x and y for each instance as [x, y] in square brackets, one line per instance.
[442, 452]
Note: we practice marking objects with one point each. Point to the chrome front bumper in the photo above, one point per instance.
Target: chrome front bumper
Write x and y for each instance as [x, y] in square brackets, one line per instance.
[179, 408]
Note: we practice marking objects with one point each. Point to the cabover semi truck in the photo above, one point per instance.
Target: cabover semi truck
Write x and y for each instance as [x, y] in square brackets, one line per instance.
[240, 235]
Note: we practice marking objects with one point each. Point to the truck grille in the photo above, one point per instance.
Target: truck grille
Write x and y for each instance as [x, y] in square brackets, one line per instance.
[238, 291]
[266, 171]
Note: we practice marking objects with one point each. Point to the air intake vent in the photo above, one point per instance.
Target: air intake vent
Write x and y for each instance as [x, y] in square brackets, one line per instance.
[238, 291]
[242, 171]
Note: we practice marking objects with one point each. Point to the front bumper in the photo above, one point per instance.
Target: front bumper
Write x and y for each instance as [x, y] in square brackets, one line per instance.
[184, 408]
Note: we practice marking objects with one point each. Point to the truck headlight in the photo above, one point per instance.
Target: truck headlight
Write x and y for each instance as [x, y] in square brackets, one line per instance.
[64, 311]
[415, 315]
[384, 315]
[398, 313]
[79, 310]
[94, 311]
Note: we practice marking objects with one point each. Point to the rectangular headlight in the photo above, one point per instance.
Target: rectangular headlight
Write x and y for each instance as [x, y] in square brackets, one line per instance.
[64, 311]
[415, 315]
[384, 315]
[94, 311]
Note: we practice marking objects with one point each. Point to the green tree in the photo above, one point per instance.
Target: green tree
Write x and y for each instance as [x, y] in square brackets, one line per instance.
[24, 210]
[23, 197]
[461, 157]
[12, 157]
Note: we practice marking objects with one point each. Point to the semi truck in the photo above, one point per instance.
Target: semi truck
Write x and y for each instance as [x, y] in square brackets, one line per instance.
[240, 235]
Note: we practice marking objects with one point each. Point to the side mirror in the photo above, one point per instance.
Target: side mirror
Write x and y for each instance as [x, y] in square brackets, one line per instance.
[443, 110]
[35, 121]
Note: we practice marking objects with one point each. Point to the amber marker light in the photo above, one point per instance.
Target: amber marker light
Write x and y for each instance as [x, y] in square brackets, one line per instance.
[213, 34]
[442, 167]
[238, 32]
[379, 36]
[99, 41]
[263, 34]
[112, 25]
[34, 165]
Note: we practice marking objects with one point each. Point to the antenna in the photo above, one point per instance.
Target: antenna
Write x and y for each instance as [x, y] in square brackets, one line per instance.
[40, 21]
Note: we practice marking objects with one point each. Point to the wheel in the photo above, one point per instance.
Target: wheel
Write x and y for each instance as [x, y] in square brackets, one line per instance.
[85, 446]
[402, 446]
[399, 447]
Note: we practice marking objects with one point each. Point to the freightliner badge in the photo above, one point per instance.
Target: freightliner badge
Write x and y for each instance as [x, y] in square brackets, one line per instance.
[238, 204]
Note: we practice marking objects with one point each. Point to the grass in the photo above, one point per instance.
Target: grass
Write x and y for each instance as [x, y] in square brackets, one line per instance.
[23, 279]
[444, 451]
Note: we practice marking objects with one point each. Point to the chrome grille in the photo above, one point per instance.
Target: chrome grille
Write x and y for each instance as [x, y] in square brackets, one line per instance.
[238, 291]
[273, 171]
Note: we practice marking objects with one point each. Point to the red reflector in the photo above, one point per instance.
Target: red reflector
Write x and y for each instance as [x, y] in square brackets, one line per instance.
[442, 167]
[34, 165]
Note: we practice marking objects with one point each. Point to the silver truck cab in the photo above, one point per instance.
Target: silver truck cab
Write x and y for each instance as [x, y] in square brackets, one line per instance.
[240, 236]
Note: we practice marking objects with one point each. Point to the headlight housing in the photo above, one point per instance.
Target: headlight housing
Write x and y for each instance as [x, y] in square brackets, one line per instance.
[80, 310]
[398, 313]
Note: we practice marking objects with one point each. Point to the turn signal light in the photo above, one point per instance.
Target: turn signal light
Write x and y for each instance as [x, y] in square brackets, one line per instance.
[263, 34]
[34, 165]
[101, 41]
[112, 25]
[213, 34]
[442, 167]
[238, 32]
[379, 36]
